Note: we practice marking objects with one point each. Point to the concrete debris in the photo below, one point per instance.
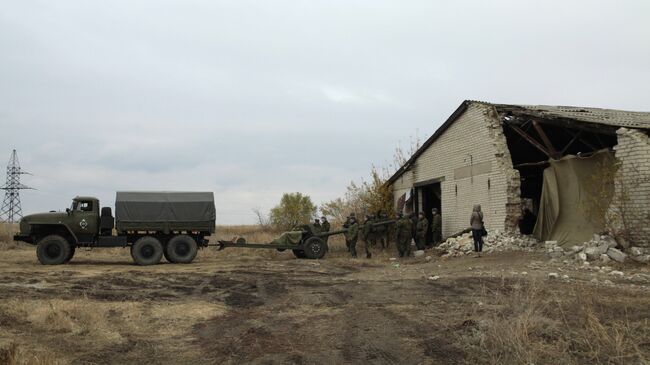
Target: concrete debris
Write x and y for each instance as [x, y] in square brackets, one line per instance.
[418, 253]
[553, 275]
[495, 241]
[434, 277]
[605, 249]
[616, 273]
[616, 255]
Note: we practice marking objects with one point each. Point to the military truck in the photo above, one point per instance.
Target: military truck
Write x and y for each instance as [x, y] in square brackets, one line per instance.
[152, 224]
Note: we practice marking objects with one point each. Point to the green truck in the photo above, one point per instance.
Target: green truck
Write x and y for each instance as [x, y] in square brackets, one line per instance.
[152, 224]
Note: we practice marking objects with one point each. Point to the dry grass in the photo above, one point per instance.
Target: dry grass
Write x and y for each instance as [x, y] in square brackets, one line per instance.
[531, 324]
[91, 322]
[7, 231]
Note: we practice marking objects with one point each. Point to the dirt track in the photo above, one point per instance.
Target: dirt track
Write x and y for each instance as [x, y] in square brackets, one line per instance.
[232, 309]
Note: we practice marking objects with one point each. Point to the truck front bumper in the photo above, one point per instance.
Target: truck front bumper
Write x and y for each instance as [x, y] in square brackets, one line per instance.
[23, 238]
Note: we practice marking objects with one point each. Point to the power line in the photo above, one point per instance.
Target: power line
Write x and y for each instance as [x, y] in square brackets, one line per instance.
[11, 210]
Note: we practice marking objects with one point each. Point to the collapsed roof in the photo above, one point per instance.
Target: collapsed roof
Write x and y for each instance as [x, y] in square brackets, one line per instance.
[590, 120]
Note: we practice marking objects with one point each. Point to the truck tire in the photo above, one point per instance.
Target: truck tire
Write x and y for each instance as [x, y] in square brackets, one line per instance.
[315, 248]
[299, 253]
[53, 250]
[71, 254]
[147, 251]
[181, 249]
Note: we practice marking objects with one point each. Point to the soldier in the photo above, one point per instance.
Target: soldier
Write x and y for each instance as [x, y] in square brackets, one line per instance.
[414, 224]
[403, 235]
[436, 227]
[367, 234]
[346, 225]
[352, 235]
[324, 227]
[421, 229]
[384, 232]
[316, 227]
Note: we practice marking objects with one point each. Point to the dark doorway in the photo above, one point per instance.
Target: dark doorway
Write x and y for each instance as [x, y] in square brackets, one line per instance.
[431, 198]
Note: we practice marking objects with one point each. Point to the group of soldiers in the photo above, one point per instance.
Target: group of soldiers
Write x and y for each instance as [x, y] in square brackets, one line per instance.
[377, 229]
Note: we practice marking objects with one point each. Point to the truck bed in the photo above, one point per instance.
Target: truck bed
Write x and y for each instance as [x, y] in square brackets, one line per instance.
[165, 211]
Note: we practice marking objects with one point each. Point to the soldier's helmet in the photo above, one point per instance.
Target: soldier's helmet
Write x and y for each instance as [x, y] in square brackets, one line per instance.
[323, 218]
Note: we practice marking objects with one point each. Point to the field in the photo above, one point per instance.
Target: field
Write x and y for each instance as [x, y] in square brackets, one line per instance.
[262, 306]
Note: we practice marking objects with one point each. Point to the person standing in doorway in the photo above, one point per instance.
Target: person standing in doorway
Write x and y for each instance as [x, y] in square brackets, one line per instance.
[478, 229]
[421, 229]
[436, 227]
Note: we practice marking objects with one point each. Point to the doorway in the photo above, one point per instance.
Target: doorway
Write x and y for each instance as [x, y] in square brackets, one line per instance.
[431, 198]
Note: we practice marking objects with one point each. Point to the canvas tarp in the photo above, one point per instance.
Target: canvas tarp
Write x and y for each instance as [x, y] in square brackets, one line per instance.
[575, 196]
[174, 209]
[292, 238]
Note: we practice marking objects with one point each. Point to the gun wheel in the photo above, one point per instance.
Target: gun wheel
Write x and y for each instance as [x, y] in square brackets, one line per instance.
[315, 248]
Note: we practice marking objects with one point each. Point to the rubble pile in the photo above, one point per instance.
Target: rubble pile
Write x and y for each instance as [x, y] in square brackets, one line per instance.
[604, 249]
[495, 241]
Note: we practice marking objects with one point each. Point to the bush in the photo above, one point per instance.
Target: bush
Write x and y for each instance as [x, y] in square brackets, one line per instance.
[294, 209]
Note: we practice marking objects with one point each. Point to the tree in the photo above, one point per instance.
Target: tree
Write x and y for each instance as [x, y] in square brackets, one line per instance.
[294, 209]
[367, 197]
[373, 196]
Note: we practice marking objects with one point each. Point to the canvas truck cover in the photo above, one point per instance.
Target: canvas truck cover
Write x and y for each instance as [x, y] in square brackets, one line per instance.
[165, 211]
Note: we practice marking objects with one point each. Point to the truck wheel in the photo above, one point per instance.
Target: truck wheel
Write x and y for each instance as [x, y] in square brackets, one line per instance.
[299, 253]
[147, 251]
[181, 249]
[71, 254]
[53, 250]
[315, 248]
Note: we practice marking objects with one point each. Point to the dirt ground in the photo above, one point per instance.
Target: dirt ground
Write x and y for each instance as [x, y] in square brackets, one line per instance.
[267, 307]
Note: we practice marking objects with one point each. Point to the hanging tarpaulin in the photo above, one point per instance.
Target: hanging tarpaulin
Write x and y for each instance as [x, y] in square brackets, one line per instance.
[575, 196]
[408, 203]
[400, 203]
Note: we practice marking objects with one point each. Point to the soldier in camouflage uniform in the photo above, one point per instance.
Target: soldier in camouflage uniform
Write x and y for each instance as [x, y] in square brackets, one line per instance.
[316, 227]
[403, 235]
[367, 234]
[352, 235]
[421, 229]
[436, 227]
[324, 228]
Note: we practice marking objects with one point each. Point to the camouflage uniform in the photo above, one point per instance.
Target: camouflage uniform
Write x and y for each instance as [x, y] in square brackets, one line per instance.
[324, 228]
[421, 232]
[403, 236]
[367, 234]
[352, 235]
[316, 227]
[436, 228]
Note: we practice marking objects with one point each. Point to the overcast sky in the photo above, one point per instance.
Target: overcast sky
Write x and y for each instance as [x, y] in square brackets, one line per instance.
[251, 99]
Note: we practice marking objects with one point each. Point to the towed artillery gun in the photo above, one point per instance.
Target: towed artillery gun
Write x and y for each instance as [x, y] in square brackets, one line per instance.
[303, 242]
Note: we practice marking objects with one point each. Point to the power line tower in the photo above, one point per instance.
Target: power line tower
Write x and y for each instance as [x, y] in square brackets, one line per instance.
[11, 211]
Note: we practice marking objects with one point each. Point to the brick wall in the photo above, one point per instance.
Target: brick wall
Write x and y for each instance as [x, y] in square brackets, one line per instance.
[632, 198]
[473, 159]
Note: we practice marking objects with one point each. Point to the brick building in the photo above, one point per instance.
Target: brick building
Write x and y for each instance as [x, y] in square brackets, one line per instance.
[498, 155]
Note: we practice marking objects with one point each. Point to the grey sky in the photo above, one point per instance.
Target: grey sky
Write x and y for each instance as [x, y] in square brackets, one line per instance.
[251, 99]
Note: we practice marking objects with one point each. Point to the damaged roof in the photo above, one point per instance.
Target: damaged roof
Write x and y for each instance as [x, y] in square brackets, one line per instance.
[606, 117]
[610, 117]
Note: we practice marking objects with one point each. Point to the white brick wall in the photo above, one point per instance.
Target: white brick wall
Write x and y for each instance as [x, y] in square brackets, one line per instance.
[475, 136]
[633, 184]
